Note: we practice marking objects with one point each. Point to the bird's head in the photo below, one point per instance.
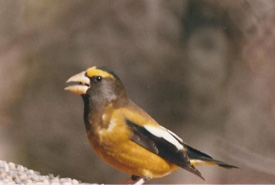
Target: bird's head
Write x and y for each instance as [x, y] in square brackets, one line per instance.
[98, 84]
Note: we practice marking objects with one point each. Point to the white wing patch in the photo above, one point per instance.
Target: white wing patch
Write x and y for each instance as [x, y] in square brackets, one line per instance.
[174, 135]
[165, 134]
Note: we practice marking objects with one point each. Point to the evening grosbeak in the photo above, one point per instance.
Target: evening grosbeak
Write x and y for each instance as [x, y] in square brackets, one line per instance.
[125, 136]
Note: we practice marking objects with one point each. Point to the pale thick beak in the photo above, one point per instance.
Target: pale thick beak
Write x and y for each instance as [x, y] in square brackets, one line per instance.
[83, 83]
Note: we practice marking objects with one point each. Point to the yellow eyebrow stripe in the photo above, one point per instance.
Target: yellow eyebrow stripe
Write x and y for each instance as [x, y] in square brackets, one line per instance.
[93, 71]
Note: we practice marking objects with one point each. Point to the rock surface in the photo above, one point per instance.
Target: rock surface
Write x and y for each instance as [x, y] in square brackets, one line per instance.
[11, 173]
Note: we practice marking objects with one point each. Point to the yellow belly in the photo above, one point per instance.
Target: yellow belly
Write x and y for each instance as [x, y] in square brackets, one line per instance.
[131, 158]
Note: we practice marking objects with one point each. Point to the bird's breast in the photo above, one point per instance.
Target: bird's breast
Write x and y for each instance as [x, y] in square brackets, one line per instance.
[127, 156]
[113, 144]
[108, 129]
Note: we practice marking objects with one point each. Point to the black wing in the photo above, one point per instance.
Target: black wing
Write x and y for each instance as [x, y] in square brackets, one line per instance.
[161, 147]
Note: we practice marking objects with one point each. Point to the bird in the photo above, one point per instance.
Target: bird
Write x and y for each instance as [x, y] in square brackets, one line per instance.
[125, 136]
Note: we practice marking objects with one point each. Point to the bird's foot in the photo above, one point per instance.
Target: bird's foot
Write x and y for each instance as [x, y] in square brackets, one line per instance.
[137, 180]
[140, 180]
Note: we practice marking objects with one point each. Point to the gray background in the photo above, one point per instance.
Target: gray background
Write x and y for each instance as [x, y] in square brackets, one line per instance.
[204, 69]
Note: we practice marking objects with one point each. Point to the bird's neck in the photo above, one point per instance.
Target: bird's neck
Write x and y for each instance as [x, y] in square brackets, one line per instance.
[94, 110]
[87, 109]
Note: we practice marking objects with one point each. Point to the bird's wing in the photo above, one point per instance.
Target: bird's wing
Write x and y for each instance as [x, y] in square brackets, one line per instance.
[162, 142]
[158, 141]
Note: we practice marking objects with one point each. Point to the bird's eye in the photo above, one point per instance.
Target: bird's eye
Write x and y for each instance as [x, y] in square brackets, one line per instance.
[98, 78]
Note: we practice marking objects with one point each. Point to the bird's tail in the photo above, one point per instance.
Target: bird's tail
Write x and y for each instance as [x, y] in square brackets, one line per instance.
[193, 170]
[200, 158]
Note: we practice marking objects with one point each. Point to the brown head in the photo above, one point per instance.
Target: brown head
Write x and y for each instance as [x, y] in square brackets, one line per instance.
[98, 87]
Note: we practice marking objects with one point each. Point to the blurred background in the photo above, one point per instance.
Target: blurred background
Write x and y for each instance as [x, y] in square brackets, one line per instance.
[204, 69]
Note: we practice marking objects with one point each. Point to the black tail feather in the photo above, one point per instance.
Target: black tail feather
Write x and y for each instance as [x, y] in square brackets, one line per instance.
[193, 170]
[196, 154]
[219, 163]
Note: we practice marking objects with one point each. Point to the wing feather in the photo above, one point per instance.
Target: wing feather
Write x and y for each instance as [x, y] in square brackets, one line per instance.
[163, 143]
